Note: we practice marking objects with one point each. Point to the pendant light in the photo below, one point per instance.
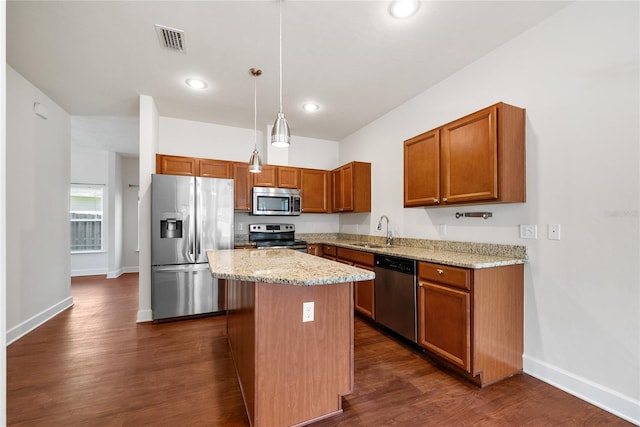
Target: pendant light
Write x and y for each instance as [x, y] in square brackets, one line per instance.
[280, 135]
[255, 163]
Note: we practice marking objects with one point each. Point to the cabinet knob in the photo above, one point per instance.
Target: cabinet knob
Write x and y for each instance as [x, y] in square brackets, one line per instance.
[440, 271]
[444, 199]
[436, 201]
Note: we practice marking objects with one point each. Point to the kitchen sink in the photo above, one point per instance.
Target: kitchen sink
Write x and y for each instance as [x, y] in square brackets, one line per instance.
[369, 245]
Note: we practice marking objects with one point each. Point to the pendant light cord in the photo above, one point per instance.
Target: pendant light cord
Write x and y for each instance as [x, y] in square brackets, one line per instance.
[281, 56]
[255, 113]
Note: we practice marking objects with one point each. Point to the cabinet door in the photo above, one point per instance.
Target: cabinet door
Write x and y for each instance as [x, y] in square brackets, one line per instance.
[346, 177]
[214, 168]
[266, 178]
[242, 187]
[176, 165]
[314, 249]
[364, 295]
[444, 323]
[469, 158]
[336, 191]
[422, 170]
[288, 177]
[314, 187]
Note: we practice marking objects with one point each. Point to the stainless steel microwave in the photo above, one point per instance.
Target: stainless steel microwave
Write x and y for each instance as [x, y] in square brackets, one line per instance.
[276, 201]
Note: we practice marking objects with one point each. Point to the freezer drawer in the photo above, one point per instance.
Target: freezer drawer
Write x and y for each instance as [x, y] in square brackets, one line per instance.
[184, 291]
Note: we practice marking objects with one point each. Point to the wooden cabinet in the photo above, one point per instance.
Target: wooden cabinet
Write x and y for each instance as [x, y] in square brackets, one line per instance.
[267, 178]
[363, 292]
[314, 249]
[351, 186]
[422, 169]
[242, 186]
[329, 252]
[192, 166]
[288, 177]
[315, 190]
[473, 319]
[479, 158]
[176, 165]
[215, 168]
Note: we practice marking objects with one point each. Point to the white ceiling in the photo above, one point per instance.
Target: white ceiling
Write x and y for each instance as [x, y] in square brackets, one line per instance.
[94, 58]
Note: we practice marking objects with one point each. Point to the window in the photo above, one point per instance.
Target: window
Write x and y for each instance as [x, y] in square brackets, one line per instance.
[86, 217]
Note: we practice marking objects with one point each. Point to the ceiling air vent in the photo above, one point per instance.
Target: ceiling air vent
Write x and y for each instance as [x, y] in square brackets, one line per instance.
[171, 38]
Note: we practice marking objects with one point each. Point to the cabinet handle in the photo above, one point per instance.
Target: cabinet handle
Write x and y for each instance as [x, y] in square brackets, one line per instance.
[436, 201]
[440, 271]
[444, 199]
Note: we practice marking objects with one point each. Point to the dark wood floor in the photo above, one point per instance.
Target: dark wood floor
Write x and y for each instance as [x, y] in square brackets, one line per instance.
[93, 365]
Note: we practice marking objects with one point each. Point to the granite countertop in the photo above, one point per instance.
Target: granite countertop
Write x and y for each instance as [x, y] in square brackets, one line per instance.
[431, 254]
[284, 266]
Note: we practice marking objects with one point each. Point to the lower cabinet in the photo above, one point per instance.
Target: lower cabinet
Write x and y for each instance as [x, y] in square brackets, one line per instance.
[363, 292]
[473, 318]
[314, 249]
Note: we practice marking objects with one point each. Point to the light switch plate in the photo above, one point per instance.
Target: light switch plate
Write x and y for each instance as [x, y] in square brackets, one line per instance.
[528, 231]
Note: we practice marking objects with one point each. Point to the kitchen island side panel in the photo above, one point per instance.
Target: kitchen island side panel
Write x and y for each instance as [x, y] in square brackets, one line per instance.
[241, 336]
[291, 372]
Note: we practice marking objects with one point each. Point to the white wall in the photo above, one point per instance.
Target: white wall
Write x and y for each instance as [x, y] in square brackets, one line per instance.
[3, 224]
[37, 180]
[581, 91]
[95, 161]
[130, 187]
[149, 127]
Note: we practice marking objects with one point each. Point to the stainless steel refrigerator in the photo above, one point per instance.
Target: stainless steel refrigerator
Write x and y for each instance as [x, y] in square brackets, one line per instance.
[189, 215]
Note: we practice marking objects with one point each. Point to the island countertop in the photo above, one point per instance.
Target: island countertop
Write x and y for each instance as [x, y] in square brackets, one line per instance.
[284, 266]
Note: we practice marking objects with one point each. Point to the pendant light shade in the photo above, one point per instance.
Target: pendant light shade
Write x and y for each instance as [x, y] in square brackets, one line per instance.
[255, 163]
[280, 135]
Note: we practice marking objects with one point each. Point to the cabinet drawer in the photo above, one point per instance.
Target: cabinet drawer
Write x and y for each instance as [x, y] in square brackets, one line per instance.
[357, 257]
[329, 250]
[453, 276]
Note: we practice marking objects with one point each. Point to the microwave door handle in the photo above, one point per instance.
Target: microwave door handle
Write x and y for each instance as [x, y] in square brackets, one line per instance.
[291, 202]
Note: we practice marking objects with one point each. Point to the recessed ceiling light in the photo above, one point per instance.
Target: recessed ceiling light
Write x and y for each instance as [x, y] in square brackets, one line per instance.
[403, 8]
[310, 107]
[196, 83]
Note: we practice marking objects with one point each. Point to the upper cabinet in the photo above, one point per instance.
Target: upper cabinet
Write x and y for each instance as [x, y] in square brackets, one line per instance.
[352, 187]
[242, 186]
[268, 177]
[315, 190]
[191, 166]
[479, 158]
[348, 191]
[288, 177]
[176, 165]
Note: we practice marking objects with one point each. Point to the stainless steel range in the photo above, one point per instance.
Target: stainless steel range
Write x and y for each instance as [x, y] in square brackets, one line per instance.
[276, 236]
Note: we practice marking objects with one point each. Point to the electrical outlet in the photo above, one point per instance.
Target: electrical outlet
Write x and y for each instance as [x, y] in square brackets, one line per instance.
[307, 311]
[528, 231]
[553, 232]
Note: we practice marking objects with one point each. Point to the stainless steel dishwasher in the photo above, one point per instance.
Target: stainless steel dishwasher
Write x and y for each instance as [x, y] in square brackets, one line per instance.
[396, 295]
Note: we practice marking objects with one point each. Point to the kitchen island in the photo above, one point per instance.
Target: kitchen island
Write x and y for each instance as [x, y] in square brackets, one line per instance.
[294, 364]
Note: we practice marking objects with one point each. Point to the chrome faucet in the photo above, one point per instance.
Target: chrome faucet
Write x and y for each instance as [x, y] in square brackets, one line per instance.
[389, 237]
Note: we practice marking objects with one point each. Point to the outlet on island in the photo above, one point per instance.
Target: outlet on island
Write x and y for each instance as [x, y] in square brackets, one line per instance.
[307, 311]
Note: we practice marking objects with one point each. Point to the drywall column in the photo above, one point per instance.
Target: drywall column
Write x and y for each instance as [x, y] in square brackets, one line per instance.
[149, 121]
[3, 224]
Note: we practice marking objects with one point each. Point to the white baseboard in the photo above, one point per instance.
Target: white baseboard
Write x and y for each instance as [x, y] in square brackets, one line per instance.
[132, 269]
[596, 394]
[89, 272]
[145, 316]
[115, 274]
[29, 325]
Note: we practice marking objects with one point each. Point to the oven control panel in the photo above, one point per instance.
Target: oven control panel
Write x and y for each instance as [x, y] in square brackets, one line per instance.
[271, 228]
